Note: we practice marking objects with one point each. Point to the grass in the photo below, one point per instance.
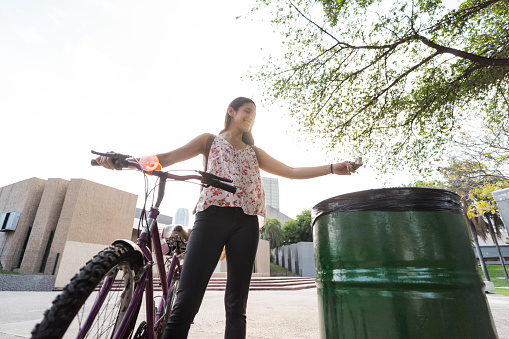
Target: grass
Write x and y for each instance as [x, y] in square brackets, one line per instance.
[497, 278]
[502, 291]
[496, 275]
[7, 272]
[278, 271]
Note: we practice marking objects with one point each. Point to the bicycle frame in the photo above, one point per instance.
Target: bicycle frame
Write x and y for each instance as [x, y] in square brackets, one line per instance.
[151, 232]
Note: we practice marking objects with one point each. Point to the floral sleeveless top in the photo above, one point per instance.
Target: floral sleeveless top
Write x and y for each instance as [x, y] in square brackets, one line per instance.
[240, 165]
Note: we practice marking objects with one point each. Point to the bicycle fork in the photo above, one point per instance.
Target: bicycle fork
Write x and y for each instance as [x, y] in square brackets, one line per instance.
[146, 282]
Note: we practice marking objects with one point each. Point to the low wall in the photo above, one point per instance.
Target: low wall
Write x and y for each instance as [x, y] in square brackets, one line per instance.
[298, 258]
[22, 282]
[490, 254]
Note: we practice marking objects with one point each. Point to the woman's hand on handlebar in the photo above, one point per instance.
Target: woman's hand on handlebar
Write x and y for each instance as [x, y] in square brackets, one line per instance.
[105, 162]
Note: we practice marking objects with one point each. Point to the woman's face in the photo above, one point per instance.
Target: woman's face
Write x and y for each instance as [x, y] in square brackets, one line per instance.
[244, 117]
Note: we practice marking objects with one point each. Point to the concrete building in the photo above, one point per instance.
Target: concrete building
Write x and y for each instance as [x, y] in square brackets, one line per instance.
[502, 199]
[61, 224]
[274, 213]
[261, 265]
[182, 217]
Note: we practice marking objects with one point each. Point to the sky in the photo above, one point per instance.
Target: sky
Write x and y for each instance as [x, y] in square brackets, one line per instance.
[141, 78]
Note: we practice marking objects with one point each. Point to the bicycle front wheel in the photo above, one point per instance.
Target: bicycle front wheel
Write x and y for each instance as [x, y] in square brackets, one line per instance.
[170, 302]
[116, 267]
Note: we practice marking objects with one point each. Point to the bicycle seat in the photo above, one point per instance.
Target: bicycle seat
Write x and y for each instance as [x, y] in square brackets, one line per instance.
[172, 231]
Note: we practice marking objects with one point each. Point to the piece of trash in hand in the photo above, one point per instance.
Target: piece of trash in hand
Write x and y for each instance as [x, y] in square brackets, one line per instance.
[353, 166]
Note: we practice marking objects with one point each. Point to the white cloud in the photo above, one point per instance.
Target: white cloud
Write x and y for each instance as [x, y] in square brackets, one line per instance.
[57, 15]
[31, 35]
[90, 62]
[140, 78]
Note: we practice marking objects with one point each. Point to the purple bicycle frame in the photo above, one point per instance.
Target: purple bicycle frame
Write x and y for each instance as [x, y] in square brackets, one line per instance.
[147, 279]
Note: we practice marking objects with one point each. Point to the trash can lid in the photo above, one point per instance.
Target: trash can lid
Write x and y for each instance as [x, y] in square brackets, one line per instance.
[400, 199]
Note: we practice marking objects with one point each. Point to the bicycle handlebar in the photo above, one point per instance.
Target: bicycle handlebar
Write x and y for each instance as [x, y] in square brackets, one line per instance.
[223, 186]
[213, 177]
[207, 179]
[119, 160]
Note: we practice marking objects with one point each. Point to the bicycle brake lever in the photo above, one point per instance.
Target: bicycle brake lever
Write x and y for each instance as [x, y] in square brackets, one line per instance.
[117, 156]
[119, 160]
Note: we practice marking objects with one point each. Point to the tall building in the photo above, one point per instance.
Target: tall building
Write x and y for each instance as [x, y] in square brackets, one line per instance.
[182, 217]
[271, 186]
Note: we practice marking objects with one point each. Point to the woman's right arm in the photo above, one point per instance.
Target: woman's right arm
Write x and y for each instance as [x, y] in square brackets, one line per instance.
[193, 148]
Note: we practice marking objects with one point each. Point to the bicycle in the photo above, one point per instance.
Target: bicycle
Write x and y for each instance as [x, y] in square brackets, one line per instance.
[123, 272]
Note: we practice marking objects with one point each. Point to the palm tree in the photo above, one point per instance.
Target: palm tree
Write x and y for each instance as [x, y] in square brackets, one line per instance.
[273, 233]
[476, 232]
[493, 224]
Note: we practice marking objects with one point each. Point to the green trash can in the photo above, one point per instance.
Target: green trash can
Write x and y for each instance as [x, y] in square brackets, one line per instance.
[397, 263]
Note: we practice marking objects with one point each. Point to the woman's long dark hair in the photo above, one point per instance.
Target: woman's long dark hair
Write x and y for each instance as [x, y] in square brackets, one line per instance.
[247, 137]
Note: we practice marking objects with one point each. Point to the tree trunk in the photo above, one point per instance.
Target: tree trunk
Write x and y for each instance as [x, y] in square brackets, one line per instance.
[471, 227]
[494, 238]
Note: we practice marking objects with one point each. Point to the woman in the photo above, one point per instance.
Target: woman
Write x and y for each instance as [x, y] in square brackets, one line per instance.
[227, 220]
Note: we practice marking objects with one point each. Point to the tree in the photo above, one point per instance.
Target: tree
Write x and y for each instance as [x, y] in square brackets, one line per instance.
[273, 233]
[300, 229]
[392, 79]
[478, 166]
[478, 203]
[476, 169]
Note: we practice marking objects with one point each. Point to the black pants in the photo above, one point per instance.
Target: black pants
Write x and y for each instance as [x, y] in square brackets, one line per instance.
[214, 228]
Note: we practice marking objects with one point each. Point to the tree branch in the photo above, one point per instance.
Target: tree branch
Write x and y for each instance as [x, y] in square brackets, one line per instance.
[344, 44]
[311, 21]
[464, 55]
[463, 14]
[441, 49]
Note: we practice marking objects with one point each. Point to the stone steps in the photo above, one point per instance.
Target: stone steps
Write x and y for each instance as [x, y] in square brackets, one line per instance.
[268, 284]
[257, 284]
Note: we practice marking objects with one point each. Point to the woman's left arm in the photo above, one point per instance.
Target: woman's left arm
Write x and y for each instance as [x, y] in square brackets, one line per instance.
[273, 166]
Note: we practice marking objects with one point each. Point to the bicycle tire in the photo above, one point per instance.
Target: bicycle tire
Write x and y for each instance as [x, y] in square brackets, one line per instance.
[141, 332]
[71, 307]
[172, 294]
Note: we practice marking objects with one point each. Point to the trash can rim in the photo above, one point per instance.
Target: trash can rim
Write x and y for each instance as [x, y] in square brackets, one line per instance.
[395, 199]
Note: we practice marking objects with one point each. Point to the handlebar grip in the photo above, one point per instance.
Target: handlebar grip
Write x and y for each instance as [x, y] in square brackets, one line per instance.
[213, 177]
[119, 164]
[223, 186]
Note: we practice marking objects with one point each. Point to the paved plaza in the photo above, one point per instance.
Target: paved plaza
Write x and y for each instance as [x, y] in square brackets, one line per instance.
[271, 314]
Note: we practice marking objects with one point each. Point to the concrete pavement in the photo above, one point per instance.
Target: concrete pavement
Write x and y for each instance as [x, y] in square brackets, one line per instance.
[271, 314]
